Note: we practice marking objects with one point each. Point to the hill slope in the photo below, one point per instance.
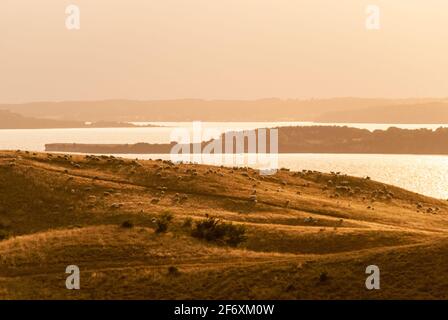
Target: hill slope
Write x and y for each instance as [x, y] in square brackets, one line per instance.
[10, 120]
[224, 110]
[60, 210]
[423, 112]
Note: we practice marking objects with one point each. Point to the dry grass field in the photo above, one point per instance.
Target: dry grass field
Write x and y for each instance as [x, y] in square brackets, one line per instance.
[129, 226]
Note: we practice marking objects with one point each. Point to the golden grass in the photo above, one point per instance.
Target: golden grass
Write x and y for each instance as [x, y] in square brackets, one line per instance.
[61, 210]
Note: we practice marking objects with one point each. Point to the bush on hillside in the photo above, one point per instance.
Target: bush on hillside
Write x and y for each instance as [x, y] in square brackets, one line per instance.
[4, 235]
[127, 224]
[173, 271]
[214, 230]
[163, 221]
[188, 223]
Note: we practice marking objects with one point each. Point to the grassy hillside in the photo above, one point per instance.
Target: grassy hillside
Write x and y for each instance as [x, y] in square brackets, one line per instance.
[308, 235]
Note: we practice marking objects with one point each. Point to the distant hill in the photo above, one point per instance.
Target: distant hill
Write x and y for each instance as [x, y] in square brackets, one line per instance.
[436, 112]
[330, 110]
[9, 120]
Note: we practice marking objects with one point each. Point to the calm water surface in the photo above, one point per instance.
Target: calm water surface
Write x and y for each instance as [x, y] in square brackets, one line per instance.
[423, 174]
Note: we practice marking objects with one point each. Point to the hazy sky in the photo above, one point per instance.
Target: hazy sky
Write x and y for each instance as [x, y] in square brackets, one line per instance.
[222, 49]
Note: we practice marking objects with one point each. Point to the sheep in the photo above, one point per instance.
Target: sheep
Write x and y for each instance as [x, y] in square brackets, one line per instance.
[155, 200]
[310, 220]
[342, 189]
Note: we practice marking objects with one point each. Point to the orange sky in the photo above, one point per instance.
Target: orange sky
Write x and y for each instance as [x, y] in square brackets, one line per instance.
[232, 49]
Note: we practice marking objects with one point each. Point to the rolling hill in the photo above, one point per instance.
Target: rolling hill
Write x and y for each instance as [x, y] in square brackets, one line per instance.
[426, 113]
[324, 110]
[10, 120]
[309, 235]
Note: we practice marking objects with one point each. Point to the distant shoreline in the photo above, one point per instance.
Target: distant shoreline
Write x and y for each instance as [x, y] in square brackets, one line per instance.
[314, 139]
[147, 148]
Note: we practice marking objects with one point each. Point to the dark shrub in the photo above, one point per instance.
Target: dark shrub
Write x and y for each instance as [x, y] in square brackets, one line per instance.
[173, 271]
[214, 230]
[4, 235]
[127, 224]
[323, 277]
[188, 223]
[163, 222]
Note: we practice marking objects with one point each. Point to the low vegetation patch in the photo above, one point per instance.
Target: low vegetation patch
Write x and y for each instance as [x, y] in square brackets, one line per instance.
[127, 224]
[173, 271]
[4, 235]
[188, 223]
[323, 277]
[214, 230]
[163, 222]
